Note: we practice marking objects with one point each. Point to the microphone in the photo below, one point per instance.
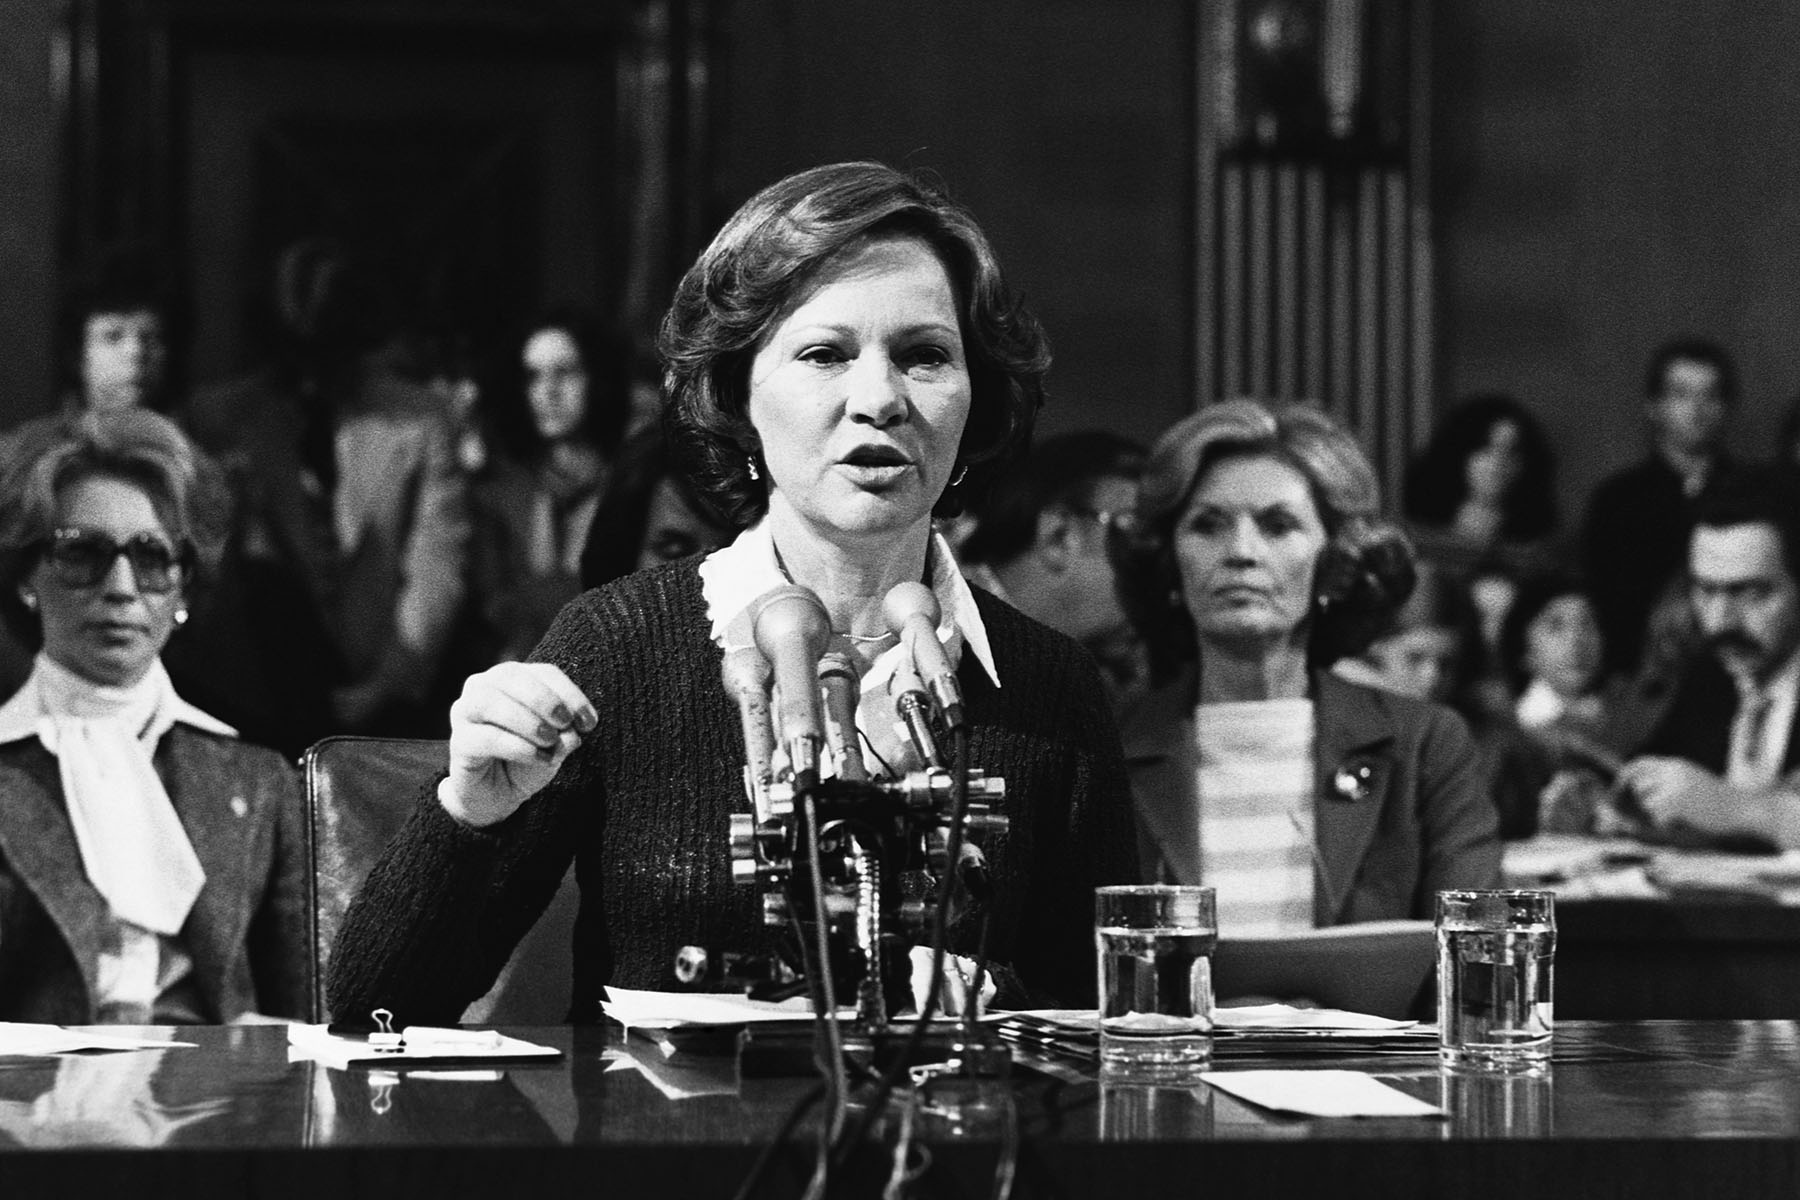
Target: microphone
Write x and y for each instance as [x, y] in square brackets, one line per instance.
[838, 681]
[791, 628]
[912, 612]
[747, 676]
[907, 691]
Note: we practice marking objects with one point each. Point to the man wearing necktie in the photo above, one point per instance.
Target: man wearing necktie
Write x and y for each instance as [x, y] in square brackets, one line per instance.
[1725, 762]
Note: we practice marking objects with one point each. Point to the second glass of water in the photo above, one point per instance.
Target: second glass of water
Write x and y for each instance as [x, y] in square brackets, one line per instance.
[1496, 968]
[1154, 946]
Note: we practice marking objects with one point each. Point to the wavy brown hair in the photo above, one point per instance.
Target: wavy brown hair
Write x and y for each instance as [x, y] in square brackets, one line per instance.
[759, 267]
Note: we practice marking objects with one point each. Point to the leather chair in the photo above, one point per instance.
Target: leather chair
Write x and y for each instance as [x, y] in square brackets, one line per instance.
[359, 792]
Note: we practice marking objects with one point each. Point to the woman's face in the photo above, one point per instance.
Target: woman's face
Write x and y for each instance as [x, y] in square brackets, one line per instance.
[1562, 646]
[861, 393]
[1496, 466]
[108, 631]
[556, 383]
[122, 357]
[1247, 547]
[1419, 662]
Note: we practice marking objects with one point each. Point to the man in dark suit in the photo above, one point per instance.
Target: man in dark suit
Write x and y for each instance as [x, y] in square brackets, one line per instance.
[1726, 759]
[1635, 536]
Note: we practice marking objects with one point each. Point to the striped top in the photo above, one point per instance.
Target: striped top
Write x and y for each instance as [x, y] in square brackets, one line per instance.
[1256, 813]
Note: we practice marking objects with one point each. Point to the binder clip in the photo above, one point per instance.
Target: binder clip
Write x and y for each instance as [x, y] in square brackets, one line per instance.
[386, 1039]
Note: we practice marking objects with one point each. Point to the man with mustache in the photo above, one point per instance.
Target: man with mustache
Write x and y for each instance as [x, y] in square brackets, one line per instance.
[1725, 762]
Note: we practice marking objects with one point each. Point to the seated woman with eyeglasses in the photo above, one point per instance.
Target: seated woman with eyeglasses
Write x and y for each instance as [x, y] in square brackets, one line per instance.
[151, 864]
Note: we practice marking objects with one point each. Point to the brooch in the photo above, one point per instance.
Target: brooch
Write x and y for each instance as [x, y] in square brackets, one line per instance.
[1354, 779]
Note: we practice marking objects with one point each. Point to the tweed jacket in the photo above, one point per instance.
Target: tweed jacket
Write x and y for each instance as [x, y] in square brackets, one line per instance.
[1399, 804]
[247, 933]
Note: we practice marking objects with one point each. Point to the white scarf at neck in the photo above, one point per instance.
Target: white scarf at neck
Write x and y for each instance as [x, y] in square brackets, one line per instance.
[132, 843]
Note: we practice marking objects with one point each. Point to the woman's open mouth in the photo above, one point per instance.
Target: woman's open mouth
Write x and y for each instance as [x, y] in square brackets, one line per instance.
[875, 466]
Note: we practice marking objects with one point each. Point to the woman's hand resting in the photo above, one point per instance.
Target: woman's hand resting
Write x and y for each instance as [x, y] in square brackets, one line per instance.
[510, 731]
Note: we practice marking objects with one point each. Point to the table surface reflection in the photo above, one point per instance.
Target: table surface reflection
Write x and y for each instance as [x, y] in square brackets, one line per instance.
[1627, 1109]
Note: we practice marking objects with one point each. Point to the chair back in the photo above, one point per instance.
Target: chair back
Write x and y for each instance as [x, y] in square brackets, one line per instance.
[359, 792]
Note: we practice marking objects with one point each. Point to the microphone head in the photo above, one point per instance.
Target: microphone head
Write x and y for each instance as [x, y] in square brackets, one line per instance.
[905, 601]
[790, 615]
[746, 672]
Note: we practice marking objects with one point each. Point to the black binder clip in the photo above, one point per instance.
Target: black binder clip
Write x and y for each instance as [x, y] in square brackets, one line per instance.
[385, 1040]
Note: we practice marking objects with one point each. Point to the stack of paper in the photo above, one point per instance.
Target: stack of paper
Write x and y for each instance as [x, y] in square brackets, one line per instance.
[18, 1038]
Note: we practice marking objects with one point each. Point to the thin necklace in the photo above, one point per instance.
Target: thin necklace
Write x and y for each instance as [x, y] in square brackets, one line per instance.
[868, 641]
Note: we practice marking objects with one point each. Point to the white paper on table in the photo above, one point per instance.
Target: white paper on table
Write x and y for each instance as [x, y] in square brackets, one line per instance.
[1321, 1093]
[1286, 1016]
[316, 1043]
[23, 1039]
[674, 1010]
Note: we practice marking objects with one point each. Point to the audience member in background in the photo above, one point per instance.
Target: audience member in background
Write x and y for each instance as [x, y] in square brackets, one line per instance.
[1484, 491]
[650, 515]
[1429, 648]
[1040, 540]
[1723, 762]
[353, 516]
[151, 864]
[558, 423]
[1634, 538]
[1260, 558]
[1551, 651]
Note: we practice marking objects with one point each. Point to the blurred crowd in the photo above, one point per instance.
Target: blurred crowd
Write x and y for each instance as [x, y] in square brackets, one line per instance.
[403, 507]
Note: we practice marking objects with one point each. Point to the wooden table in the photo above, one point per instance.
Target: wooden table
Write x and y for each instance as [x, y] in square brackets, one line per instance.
[1628, 1110]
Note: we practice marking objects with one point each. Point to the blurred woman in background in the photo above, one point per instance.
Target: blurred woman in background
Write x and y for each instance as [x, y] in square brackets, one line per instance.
[557, 430]
[152, 869]
[1485, 487]
[1259, 558]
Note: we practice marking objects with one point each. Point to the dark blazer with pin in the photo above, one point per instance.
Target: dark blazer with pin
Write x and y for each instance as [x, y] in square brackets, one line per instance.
[240, 806]
[1400, 808]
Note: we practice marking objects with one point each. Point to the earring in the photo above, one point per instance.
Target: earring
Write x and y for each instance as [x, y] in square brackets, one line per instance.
[750, 460]
[181, 616]
[961, 474]
[29, 600]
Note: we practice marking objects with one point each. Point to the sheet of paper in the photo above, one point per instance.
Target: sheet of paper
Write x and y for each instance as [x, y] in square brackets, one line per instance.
[315, 1043]
[670, 1010]
[1286, 1016]
[1321, 1093]
[20, 1039]
[1241, 1017]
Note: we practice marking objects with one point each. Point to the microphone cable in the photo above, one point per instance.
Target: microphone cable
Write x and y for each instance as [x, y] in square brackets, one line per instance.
[884, 1086]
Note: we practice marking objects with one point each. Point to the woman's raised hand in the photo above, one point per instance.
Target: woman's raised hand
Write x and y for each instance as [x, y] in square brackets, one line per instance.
[510, 731]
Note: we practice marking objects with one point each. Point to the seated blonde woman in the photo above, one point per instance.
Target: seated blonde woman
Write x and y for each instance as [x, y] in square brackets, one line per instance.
[151, 864]
[1307, 800]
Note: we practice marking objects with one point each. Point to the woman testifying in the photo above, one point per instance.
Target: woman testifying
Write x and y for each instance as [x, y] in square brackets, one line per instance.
[839, 362]
[1305, 799]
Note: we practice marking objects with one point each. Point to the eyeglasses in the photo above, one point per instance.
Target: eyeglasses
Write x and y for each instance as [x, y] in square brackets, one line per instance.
[82, 558]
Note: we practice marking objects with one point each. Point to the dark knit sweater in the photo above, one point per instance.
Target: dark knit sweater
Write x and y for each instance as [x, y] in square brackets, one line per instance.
[643, 805]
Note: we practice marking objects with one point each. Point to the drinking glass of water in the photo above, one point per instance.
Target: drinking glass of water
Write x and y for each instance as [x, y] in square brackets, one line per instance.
[1155, 945]
[1496, 962]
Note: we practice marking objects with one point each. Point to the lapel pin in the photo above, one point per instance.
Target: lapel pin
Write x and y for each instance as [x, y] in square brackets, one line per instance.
[240, 806]
[1354, 779]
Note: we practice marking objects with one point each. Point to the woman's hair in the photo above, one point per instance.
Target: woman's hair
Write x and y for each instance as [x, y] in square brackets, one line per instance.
[757, 270]
[117, 293]
[1364, 572]
[605, 357]
[1534, 596]
[135, 445]
[1437, 482]
[616, 535]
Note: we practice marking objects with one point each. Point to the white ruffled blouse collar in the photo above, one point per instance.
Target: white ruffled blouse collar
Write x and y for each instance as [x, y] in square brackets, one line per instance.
[734, 575]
